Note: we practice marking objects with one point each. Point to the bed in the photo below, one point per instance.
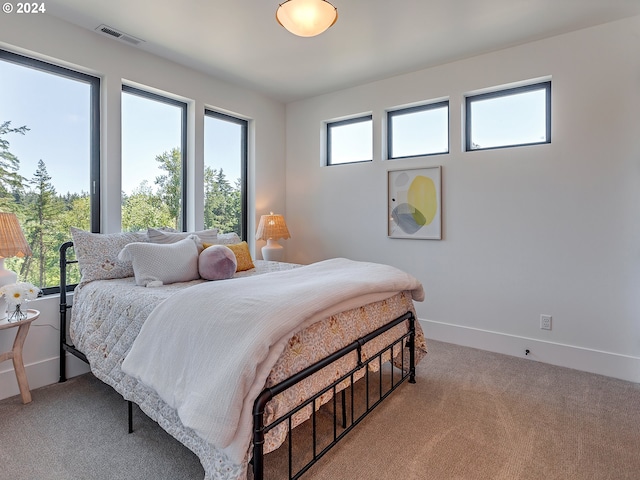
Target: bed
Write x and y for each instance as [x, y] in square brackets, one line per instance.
[135, 338]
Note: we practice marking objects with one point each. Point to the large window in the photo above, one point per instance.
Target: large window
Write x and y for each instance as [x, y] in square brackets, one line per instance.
[350, 141]
[508, 118]
[49, 159]
[154, 139]
[225, 173]
[418, 131]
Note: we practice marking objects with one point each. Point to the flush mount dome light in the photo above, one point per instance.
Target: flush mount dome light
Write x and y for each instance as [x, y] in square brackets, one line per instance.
[306, 18]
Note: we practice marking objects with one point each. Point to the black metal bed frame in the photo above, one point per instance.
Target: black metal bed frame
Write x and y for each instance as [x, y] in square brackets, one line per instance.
[407, 339]
[64, 345]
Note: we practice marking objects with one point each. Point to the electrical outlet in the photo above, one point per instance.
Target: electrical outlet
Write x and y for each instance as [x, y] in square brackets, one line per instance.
[545, 322]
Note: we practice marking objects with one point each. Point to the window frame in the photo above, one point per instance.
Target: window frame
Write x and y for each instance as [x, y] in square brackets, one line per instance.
[183, 138]
[94, 130]
[408, 110]
[244, 153]
[339, 123]
[505, 92]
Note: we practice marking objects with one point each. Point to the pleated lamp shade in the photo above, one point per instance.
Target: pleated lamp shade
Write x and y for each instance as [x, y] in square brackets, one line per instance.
[12, 241]
[272, 226]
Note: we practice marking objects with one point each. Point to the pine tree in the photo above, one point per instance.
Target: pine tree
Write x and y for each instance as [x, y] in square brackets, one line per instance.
[45, 210]
[222, 202]
[11, 182]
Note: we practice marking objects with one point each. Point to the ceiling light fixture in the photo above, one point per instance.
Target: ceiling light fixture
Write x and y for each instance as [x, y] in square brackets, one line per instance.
[306, 18]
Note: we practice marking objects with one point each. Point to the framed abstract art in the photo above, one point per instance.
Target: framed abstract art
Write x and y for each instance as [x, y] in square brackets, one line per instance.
[415, 203]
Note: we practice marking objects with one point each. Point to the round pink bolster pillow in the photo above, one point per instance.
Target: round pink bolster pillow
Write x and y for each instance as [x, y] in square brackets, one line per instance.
[217, 262]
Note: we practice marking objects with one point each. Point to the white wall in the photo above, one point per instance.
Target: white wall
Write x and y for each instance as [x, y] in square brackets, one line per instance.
[550, 229]
[546, 229]
[48, 38]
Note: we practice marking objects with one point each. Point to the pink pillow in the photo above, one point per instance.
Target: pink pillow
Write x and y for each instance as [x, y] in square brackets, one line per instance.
[217, 262]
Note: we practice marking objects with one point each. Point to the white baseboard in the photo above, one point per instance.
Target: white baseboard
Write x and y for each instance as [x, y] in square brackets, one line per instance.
[624, 367]
[615, 365]
[39, 374]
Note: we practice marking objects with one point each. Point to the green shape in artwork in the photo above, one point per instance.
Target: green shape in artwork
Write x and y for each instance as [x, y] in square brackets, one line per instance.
[422, 196]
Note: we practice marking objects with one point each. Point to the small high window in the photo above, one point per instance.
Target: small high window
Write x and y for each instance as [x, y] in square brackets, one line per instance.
[418, 131]
[509, 118]
[350, 141]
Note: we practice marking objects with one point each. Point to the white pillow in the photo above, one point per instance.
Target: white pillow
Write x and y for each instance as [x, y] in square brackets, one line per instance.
[157, 264]
[164, 237]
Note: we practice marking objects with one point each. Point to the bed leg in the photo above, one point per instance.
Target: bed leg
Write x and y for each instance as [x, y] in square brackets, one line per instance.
[412, 349]
[63, 340]
[62, 367]
[258, 433]
[130, 412]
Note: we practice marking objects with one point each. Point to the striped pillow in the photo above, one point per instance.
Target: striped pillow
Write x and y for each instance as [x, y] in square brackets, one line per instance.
[223, 239]
[164, 237]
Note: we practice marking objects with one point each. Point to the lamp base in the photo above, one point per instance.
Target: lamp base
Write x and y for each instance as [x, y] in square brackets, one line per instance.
[273, 251]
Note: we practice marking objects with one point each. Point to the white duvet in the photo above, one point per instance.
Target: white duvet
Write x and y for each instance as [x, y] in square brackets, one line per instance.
[207, 350]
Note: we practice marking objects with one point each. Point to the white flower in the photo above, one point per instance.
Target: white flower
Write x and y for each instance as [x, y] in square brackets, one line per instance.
[17, 293]
[29, 291]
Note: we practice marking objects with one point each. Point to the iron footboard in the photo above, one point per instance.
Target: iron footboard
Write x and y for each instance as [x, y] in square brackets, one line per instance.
[260, 429]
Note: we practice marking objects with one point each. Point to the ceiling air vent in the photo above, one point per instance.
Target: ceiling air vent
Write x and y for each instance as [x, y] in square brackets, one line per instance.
[123, 37]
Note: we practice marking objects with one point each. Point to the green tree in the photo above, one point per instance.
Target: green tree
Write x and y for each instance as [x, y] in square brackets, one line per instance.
[222, 202]
[11, 182]
[77, 213]
[144, 209]
[45, 209]
[170, 184]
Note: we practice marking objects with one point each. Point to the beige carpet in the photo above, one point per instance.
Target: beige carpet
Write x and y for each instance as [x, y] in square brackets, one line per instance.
[472, 415]
[479, 415]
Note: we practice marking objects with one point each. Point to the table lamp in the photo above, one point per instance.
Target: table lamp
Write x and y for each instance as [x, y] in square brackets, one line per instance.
[12, 244]
[272, 228]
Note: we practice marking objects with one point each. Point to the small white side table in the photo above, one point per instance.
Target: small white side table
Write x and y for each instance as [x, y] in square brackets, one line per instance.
[16, 352]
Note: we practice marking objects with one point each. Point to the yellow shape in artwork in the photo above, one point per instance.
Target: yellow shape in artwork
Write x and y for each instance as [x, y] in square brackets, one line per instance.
[422, 197]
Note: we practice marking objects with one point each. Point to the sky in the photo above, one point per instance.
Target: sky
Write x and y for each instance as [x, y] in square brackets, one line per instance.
[435, 137]
[56, 110]
[498, 114]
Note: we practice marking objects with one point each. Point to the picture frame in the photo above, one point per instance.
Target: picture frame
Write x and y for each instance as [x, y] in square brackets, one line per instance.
[414, 203]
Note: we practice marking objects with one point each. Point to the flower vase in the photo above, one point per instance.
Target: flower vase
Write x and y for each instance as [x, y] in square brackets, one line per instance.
[16, 313]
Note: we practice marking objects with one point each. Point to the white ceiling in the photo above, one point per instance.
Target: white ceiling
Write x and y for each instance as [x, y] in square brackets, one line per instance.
[240, 41]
